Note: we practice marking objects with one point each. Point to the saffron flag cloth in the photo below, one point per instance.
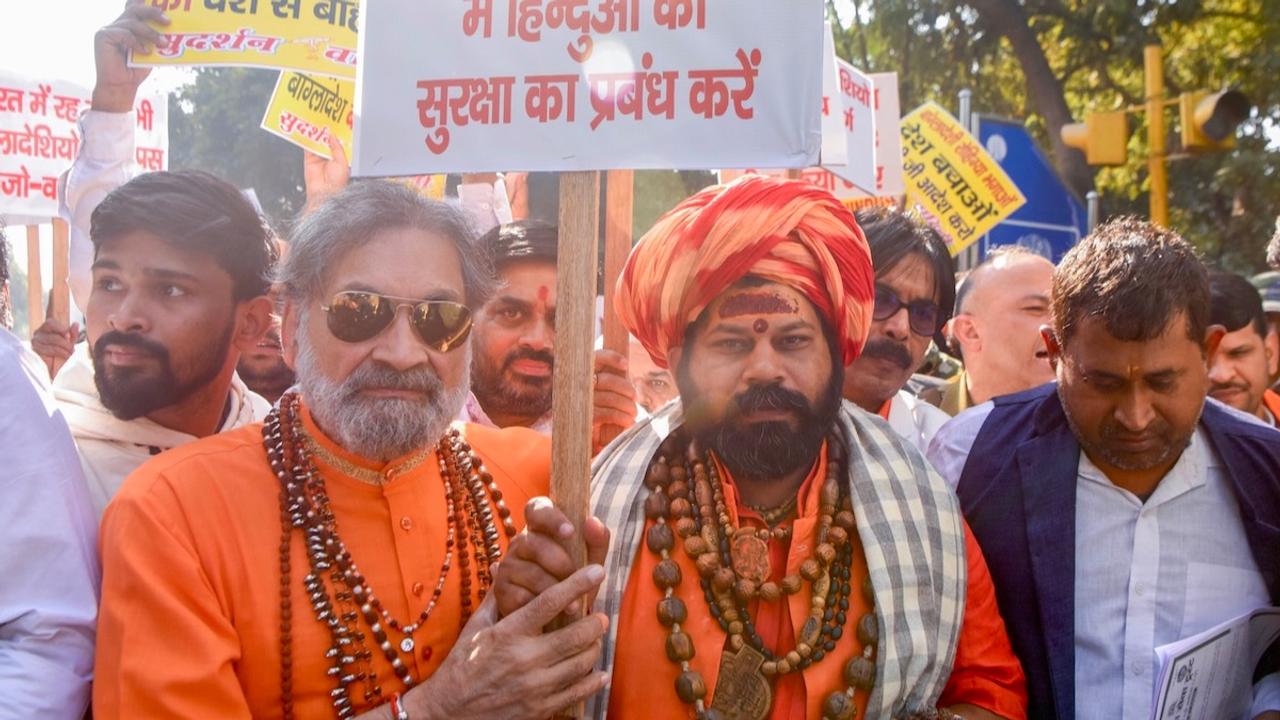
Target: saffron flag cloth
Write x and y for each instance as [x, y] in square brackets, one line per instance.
[784, 231]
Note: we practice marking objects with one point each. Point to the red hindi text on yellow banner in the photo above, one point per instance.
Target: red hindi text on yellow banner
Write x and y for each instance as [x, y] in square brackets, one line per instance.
[312, 36]
[950, 176]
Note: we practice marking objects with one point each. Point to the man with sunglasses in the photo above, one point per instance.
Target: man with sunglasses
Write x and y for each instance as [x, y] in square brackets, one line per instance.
[914, 295]
[334, 561]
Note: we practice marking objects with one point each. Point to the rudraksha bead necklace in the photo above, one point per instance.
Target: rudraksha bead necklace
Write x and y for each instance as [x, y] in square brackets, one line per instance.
[686, 493]
[472, 498]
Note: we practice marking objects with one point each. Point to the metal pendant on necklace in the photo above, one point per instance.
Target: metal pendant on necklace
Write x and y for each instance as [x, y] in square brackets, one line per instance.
[742, 690]
[406, 645]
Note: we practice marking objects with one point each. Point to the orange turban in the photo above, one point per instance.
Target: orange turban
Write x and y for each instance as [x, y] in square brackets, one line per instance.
[784, 231]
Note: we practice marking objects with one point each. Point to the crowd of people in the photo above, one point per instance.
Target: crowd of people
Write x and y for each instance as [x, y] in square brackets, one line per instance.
[251, 486]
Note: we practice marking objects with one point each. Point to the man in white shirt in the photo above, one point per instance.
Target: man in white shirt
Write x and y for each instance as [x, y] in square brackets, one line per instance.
[1117, 510]
[49, 595]
[915, 293]
[173, 281]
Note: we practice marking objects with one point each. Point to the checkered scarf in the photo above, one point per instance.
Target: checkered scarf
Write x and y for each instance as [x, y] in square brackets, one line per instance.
[909, 524]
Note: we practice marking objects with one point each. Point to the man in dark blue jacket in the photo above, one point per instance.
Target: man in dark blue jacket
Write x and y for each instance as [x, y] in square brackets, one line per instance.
[1117, 510]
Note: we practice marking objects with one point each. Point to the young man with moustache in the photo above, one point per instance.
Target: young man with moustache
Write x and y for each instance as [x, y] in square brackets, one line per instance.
[915, 290]
[1118, 509]
[1249, 353]
[514, 340]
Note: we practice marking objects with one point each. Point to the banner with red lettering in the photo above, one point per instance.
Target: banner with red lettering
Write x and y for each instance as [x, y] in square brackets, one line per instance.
[835, 150]
[39, 138]
[845, 191]
[492, 85]
[888, 135]
[858, 122]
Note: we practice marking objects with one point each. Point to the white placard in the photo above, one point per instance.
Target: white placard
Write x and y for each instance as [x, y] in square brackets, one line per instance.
[888, 135]
[858, 120]
[834, 142]
[39, 139]
[491, 85]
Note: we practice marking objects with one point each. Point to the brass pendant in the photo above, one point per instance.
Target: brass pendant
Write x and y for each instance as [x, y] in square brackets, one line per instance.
[742, 690]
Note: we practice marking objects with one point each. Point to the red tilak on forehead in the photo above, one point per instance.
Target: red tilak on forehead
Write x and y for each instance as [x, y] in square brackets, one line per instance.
[761, 326]
[543, 293]
[757, 303]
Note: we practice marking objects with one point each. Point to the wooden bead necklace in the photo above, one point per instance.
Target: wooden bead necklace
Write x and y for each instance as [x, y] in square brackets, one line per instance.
[472, 500]
[686, 492]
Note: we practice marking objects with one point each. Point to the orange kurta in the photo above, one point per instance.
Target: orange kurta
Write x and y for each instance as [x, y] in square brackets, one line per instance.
[190, 617]
[986, 672]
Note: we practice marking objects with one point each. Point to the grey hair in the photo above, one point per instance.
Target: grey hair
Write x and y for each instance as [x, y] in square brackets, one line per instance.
[363, 209]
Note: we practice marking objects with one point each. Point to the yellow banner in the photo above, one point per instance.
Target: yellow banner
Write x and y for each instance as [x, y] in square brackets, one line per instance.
[307, 110]
[312, 36]
[949, 175]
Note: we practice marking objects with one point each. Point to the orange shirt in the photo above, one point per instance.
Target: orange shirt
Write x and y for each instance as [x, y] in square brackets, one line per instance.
[190, 617]
[1271, 400]
[986, 672]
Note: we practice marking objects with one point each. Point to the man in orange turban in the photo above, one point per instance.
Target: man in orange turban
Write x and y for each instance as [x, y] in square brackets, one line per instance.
[777, 553]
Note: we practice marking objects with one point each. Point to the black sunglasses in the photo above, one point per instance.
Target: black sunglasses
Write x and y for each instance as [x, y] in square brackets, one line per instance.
[355, 316]
[922, 315]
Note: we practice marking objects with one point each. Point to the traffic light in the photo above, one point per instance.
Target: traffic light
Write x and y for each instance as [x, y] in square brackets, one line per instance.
[1209, 121]
[1102, 137]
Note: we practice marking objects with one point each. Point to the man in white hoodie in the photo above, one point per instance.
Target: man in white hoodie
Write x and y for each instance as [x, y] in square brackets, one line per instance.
[179, 279]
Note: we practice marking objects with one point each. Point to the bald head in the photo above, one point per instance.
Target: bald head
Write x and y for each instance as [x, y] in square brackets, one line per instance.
[999, 310]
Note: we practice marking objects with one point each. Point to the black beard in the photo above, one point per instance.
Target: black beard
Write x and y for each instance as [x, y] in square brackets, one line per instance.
[496, 395]
[765, 450]
[130, 394]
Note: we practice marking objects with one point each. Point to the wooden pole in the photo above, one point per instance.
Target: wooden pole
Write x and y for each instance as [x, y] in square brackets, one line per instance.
[576, 264]
[575, 329]
[617, 245]
[35, 281]
[61, 309]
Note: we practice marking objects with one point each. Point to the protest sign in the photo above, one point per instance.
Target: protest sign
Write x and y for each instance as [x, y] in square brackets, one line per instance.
[39, 139]
[888, 138]
[567, 85]
[834, 143]
[306, 110]
[951, 177]
[857, 121]
[845, 191]
[312, 36]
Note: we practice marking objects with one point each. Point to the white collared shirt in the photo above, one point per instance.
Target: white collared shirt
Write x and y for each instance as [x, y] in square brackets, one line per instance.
[1147, 574]
[49, 560]
[1152, 573]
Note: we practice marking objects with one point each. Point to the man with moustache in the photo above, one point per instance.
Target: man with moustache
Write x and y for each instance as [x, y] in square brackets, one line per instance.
[515, 332]
[1118, 510]
[777, 552]
[914, 295]
[1249, 353]
[1000, 307]
[335, 561]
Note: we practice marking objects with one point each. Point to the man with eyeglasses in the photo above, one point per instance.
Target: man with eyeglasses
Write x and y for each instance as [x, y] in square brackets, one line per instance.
[914, 295]
[335, 561]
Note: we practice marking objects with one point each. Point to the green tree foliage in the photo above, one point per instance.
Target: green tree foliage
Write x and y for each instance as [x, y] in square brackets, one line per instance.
[214, 126]
[1224, 202]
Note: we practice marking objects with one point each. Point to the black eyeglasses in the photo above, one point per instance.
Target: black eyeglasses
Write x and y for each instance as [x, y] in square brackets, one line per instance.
[355, 316]
[922, 315]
